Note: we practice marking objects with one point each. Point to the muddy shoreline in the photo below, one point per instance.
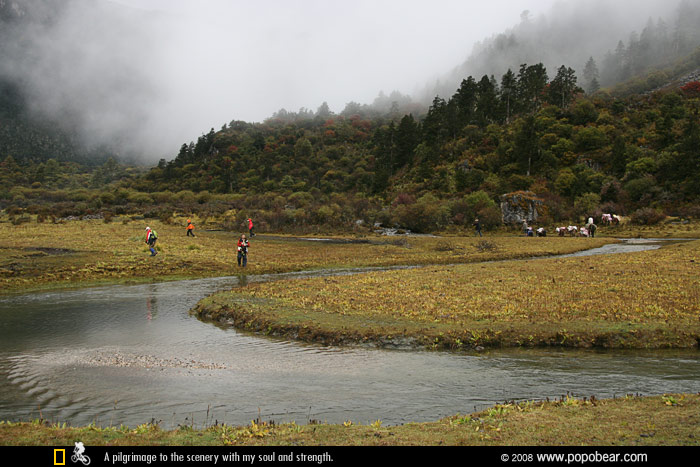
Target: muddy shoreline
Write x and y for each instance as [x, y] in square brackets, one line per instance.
[458, 341]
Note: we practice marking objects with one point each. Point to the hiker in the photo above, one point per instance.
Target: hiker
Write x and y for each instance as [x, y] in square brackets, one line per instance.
[541, 232]
[525, 227]
[250, 227]
[190, 228]
[151, 237]
[477, 227]
[243, 245]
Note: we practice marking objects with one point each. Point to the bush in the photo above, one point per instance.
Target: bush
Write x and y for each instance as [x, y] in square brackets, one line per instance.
[426, 215]
[638, 188]
[107, 197]
[162, 197]
[485, 245]
[21, 220]
[140, 198]
[647, 216]
[586, 204]
[444, 245]
[300, 199]
[465, 209]
[692, 211]
[490, 216]
[186, 196]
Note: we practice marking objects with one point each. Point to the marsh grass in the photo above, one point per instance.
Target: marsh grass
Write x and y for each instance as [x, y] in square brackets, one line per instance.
[98, 253]
[670, 228]
[628, 421]
[646, 299]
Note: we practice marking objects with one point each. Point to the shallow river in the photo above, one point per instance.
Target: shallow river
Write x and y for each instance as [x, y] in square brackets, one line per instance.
[132, 354]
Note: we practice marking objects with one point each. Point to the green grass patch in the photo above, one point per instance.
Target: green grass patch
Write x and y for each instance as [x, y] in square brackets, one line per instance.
[669, 419]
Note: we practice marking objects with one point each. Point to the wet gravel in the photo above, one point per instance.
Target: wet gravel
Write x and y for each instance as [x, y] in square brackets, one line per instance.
[124, 360]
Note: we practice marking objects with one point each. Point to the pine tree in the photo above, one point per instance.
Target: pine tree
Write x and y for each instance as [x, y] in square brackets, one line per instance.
[407, 138]
[563, 87]
[487, 102]
[434, 125]
[532, 81]
[591, 76]
[508, 92]
[527, 148]
[465, 99]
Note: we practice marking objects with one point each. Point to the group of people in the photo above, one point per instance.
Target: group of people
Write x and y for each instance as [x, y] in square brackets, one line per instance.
[610, 219]
[529, 231]
[588, 230]
[242, 245]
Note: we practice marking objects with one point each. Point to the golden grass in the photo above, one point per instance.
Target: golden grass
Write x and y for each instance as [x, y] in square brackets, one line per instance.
[672, 419]
[670, 228]
[80, 253]
[645, 299]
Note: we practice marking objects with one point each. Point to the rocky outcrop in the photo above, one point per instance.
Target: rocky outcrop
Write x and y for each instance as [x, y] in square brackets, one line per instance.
[520, 206]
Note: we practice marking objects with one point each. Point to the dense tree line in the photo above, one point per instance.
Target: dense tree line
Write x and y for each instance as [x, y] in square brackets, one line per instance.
[522, 132]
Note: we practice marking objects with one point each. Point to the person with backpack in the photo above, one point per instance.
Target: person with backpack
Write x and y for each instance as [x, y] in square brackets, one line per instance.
[151, 237]
[250, 227]
[190, 228]
[477, 227]
[243, 246]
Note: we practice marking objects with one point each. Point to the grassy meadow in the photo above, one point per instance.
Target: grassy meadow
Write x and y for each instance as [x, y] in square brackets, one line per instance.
[670, 419]
[37, 256]
[457, 299]
[636, 300]
[670, 228]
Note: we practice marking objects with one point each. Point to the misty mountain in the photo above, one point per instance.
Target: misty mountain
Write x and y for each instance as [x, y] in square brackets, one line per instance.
[619, 39]
[66, 92]
[93, 78]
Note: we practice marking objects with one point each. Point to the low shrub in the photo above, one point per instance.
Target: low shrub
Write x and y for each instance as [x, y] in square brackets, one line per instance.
[647, 216]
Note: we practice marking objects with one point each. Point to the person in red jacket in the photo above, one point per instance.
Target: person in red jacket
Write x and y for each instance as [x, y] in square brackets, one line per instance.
[250, 227]
[243, 245]
[151, 237]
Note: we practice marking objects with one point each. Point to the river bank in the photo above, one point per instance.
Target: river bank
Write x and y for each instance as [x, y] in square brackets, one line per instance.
[670, 419]
[570, 302]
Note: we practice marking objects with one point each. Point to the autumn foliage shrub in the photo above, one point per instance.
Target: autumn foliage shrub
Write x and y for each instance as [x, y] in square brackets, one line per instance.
[689, 211]
[691, 89]
[647, 216]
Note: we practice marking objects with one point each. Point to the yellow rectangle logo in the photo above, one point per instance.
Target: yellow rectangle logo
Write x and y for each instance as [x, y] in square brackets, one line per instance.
[59, 453]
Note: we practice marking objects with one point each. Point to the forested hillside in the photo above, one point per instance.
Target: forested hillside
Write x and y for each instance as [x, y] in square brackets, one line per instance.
[581, 155]
[631, 149]
[637, 155]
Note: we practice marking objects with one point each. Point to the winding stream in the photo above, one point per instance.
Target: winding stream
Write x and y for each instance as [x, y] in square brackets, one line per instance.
[132, 354]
